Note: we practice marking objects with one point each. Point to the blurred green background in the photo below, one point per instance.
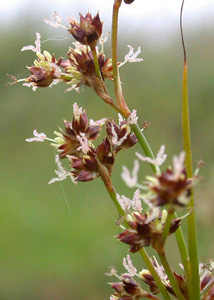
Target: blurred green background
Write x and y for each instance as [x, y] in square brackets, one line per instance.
[46, 252]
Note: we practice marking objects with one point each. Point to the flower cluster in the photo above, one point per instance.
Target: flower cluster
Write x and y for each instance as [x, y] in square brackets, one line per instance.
[128, 288]
[79, 68]
[206, 280]
[75, 143]
[146, 229]
[171, 187]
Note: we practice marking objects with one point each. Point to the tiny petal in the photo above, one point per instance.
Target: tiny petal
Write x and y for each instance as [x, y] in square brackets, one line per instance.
[38, 137]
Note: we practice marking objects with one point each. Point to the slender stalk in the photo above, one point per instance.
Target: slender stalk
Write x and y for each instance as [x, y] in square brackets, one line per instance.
[171, 276]
[96, 63]
[156, 277]
[184, 255]
[117, 83]
[109, 186]
[166, 228]
[125, 111]
[145, 146]
[192, 235]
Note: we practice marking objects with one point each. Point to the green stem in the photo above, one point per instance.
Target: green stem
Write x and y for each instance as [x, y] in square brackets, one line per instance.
[145, 146]
[96, 63]
[117, 83]
[155, 275]
[184, 254]
[166, 228]
[109, 186]
[125, 111]
[191, 220]
[171, 276]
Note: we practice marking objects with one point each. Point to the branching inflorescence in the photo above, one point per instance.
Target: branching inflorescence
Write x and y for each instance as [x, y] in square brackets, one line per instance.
[163, 193]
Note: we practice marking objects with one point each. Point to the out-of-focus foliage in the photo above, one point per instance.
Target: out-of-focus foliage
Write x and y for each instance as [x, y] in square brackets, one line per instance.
[47, 252]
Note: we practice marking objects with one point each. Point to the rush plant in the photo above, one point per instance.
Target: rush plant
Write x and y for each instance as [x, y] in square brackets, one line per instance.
[164, 193]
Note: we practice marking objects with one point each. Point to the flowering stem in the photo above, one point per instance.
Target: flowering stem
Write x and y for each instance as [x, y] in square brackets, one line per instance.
[117, 84]
[191, 222]
[171, 276]
[109, 186]
[152, 270]
[145, 146]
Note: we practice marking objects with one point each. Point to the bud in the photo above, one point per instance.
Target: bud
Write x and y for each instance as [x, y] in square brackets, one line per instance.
[88, 30]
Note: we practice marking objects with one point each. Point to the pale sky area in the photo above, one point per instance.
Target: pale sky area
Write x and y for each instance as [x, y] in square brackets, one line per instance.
[157, 12]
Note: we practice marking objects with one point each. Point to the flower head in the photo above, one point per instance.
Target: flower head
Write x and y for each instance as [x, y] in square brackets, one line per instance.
[172, 186]
[45, 68]
[146, 229]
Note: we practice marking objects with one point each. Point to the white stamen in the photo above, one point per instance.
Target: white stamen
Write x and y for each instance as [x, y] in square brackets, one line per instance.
[103, 38]
[37, 44]
[117, 142]
[178, 164]
[56, 21]
[136, 202]
[124, 202]
[131, 179]
[121, 119]
[132, 56]
[127, 203]
[83, 142]
[61, 172]
[31, 84]
[128, 265]
[160, 271]
[79, 46]
[98, 122]
[38, 137]
[153, 215]
[57, 70]
[158, 161]
[76, 110]
[132, 118]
